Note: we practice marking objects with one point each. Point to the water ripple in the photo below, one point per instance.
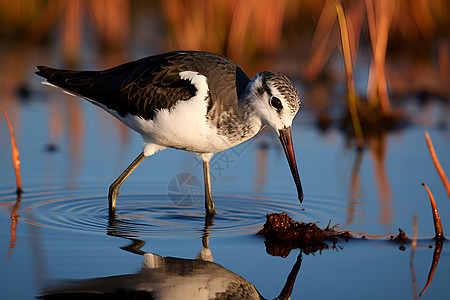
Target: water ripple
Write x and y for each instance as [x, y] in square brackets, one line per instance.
[138, 215]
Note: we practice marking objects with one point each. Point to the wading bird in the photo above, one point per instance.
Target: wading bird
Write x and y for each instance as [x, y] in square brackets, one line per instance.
[189, 100]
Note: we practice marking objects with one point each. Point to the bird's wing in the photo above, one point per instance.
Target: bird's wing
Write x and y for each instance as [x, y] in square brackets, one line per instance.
[226, 82]
[138, 88]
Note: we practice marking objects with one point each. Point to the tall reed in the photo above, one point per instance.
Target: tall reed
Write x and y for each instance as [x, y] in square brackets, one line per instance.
[15, 154]
[352, 95]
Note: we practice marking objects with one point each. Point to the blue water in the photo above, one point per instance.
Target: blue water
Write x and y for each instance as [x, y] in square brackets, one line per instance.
[63, 230]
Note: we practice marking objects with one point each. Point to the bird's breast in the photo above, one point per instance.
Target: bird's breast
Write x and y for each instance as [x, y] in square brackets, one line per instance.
[185, 126]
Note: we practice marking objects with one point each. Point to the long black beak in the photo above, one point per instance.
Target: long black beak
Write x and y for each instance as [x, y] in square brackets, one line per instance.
[286, 141]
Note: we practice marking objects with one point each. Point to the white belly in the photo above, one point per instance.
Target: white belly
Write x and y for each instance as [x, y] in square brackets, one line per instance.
[183, 126]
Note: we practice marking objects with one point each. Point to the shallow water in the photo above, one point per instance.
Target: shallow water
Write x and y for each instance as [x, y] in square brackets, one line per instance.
[62, 230]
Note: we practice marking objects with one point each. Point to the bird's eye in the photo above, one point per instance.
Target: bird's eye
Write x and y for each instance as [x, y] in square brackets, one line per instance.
[275, 103]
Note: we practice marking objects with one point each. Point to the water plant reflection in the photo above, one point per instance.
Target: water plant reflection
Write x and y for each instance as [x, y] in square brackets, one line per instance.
[411, 260]
[436, 255]
[377, 147]
[13, 228]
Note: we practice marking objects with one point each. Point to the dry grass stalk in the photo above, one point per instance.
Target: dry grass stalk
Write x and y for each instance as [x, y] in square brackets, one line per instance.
[72, 17]
[352, 96]
[15, 154]
[239, 28]
[109, 17]
[421, 13]
[17, 14]
[437, 164]
[105, 14]
[436, 218]
[46, 18]
[444, 67]
[231, 27]
[345, 40]
[205, 25]
[320, 51]
[379, 19]
[355, 17]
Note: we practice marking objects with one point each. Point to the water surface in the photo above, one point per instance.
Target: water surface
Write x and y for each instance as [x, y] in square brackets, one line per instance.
[59, 228]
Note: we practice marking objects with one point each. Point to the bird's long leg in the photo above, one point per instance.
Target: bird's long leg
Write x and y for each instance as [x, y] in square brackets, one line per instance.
[209, 202]
[115, 186]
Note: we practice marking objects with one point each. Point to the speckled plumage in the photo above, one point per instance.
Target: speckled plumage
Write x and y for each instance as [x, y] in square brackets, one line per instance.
[143, 87]
[281, 83]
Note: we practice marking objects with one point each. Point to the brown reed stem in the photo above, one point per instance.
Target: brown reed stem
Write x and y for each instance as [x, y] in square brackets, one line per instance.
[352, 96]
[436, 218]
[15, 154]
[379, 20]
[437, 164]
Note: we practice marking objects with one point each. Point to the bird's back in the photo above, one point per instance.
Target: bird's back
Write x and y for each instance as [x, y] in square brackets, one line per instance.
[144, 86]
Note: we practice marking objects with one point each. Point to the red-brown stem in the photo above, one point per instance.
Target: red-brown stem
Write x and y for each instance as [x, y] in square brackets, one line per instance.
[15, 154]
[436, 218]
[437, 164]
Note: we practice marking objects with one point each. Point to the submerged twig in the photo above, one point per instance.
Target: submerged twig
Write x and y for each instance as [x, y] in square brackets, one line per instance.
[437, 164]
[436, 218]
[15, 154]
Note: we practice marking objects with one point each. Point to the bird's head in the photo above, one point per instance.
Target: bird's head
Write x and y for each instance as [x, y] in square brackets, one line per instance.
[276, 101]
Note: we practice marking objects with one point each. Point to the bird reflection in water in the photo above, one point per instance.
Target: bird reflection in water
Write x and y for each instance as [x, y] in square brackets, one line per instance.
[168, 277]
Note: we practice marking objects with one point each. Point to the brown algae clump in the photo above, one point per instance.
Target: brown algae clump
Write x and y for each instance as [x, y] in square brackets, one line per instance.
[284, 234]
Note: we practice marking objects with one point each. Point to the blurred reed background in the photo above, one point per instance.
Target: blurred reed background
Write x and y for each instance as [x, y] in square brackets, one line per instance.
[380, 49]
[356, 63]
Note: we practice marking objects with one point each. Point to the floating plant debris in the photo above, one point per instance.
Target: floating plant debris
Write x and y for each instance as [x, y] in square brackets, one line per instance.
[401, 237]
[284, 234]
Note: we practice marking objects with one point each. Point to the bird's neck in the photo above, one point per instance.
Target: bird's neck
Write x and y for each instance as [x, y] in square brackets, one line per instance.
[249, 115]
